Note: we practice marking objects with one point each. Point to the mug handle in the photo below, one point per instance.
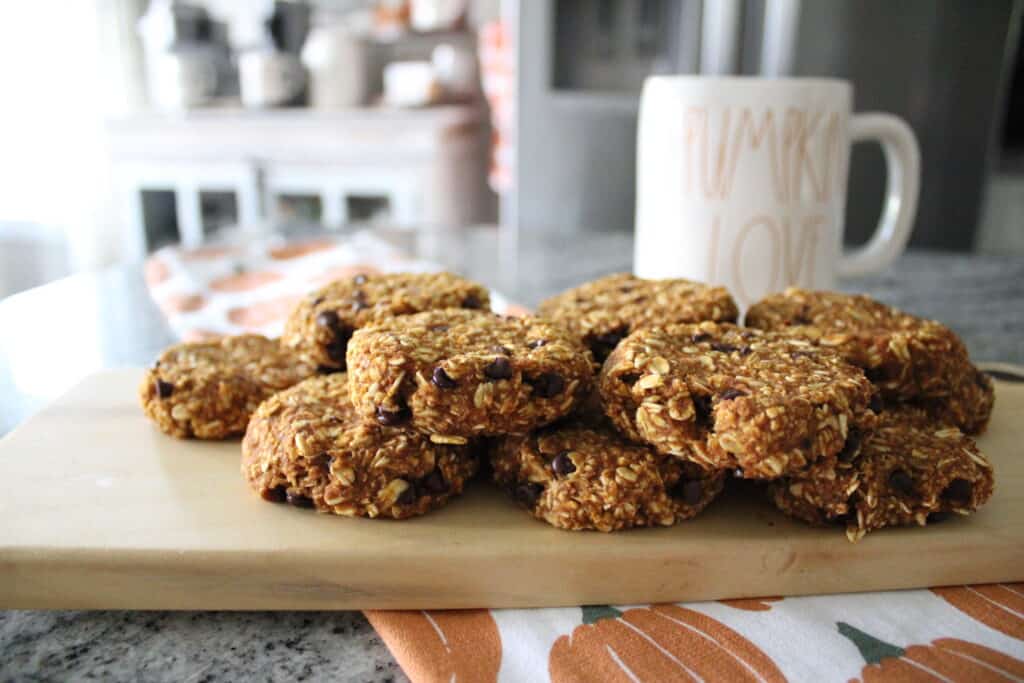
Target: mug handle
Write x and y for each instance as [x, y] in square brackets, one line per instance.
[903, 182]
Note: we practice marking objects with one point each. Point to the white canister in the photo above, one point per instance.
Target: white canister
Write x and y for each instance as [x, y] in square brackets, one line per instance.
[341, 67]
[269, 78]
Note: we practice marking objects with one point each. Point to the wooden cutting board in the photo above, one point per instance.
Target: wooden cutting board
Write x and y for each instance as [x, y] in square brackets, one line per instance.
[102, 511]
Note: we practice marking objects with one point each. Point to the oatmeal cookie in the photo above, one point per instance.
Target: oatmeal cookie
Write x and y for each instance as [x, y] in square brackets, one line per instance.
[604, 311]
[209, 389]
[727, 397]
[581, 474]
[306, 446]
[968, 406]
[320, 327]
[910, 470]
[907, 357]
[455, 374]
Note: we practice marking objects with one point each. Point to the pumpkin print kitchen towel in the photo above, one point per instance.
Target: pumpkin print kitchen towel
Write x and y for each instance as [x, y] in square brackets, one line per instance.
[251, 285]
[968, 633]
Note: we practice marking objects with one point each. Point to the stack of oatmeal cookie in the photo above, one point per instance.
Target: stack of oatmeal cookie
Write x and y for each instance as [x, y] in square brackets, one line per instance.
[624, 403]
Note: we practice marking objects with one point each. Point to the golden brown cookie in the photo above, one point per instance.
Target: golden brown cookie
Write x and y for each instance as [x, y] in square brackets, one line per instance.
[968, 406]
[909, 471]
[908, 358]
[456, 374]
[581, 474]
[209, 389]
[728, 397]
[604, 311]
[306, 446]
[319, 328]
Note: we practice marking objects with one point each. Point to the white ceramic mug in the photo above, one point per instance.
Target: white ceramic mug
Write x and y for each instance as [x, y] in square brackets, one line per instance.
[742, 182]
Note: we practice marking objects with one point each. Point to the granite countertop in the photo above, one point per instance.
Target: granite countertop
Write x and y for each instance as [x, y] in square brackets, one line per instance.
[105, 319]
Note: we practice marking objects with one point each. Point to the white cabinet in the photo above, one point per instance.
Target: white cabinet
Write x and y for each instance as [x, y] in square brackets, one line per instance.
[414, 167]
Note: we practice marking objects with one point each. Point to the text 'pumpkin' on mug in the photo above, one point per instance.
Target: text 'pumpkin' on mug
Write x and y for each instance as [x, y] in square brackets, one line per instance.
[742, 182]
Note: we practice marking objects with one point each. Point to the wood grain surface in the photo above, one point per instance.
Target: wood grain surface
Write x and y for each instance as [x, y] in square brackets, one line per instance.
[102, 511]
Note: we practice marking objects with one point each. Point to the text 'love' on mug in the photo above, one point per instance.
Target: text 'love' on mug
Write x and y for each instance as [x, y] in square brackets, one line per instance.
[742, 182]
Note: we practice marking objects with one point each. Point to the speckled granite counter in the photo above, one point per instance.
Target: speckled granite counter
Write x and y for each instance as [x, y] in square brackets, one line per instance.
[115, 324]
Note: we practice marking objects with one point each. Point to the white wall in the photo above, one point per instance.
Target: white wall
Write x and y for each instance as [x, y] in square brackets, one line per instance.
[53, 169]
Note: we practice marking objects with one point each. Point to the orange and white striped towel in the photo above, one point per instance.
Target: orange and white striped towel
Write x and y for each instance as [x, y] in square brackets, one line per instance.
[252, 286]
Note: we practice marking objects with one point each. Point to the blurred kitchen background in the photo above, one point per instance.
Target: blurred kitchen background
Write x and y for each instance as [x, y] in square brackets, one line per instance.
[132, 124]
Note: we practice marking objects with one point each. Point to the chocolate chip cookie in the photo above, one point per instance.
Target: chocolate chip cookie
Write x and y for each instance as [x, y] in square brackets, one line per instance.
[727, 397]
[455, 374]
[604, 311]
[319, 328]
[908, 358]
[968, 406]
[306, 446]
[209, 389]
[581, 474]
[909, 471]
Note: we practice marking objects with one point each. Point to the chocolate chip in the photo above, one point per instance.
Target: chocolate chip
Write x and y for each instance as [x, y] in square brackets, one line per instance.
[723, 348]
[323, 461]
[852, 445]
[434, 483]
[536, 343]
[937, 517]
[359, 302]
[548, 385]
[274, 495]
[408, 496]
[700, 337]
[439, 328]
[328, 319]
[317, 301]
[499, 368]
[391, 418]
[875, 375]
[958, 491]
[342, 333]
[336, 350]
[690, 492]
[562, 464]
[847, 518]
[359, 279]
[902, 482]
[603, 344]
[472, 301]
[164, 389]
[629, 378]
[500, 350]
[876, 403]
[702, 408]
[528, 493]
[298, 500]
[801, 319]
[730, 393]
[745, 350]
[794, 355]
[441, 379]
